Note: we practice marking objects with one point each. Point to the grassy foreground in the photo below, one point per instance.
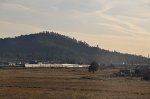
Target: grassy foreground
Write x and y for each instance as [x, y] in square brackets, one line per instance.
[69, 84]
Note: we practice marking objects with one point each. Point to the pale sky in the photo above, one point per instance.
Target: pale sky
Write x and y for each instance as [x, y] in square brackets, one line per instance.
[121, 25]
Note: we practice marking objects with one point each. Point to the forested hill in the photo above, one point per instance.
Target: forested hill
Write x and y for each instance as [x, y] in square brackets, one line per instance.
[50, 46]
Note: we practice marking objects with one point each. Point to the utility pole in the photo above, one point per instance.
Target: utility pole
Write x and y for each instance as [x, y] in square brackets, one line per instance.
[148, 60]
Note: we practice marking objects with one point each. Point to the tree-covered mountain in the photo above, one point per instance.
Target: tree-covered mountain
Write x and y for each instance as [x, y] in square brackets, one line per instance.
[50, 46]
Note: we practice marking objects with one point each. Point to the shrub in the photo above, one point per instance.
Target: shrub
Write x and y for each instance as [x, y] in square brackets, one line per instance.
[93, 67]
[146, 75]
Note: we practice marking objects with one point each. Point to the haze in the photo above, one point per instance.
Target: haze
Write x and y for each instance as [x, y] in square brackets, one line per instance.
[121, 25]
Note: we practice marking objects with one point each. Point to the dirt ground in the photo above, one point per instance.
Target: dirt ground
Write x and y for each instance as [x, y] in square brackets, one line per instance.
[49, 83]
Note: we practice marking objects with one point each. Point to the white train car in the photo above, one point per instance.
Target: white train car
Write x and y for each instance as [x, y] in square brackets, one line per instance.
[42, 65]
[53, 65]
[74, 65]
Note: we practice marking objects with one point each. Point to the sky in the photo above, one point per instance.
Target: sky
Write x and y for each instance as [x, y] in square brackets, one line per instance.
[120, 25]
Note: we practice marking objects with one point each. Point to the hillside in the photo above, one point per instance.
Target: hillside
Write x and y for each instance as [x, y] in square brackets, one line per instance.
[50, 46]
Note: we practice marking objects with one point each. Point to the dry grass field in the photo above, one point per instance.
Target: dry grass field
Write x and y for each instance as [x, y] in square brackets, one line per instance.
[69, 84]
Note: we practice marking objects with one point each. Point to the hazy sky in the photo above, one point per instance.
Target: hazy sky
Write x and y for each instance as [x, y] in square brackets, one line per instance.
[121, 25]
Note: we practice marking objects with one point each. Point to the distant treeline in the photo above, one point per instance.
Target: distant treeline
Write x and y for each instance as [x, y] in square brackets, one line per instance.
[50, 46]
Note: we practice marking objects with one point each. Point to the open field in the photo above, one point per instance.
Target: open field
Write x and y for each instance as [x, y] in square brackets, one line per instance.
[69, 84]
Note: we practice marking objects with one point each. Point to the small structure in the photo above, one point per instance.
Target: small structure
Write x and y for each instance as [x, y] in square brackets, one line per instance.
[127, 72]
[12, 64]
